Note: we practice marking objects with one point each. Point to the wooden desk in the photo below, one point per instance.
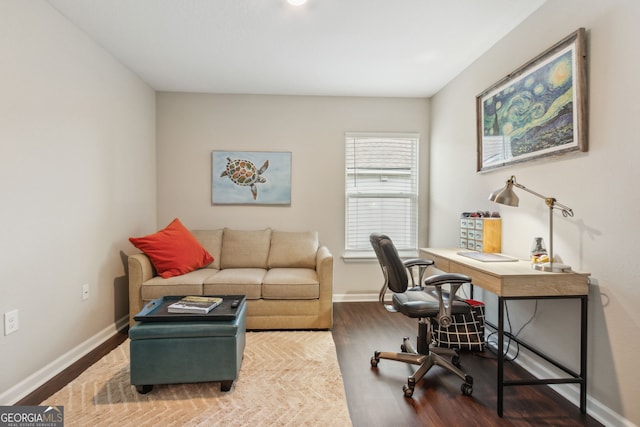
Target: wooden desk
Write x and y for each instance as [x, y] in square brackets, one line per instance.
[517, 280]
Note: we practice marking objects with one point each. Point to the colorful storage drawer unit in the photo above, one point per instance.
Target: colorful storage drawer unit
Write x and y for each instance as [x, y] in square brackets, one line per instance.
[481, 234]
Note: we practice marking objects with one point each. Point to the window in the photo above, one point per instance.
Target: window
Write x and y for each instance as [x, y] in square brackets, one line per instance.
[381, 189]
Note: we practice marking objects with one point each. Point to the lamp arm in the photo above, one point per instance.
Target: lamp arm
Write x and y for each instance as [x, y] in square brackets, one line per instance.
[550, 201]
[566, 211]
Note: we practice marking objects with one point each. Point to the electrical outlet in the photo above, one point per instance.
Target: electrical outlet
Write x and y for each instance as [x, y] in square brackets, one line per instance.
[85, 292]
[10, 322]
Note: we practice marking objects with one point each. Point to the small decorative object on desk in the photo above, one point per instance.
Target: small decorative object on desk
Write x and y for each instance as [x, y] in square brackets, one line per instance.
[195, 304]
[539, 251]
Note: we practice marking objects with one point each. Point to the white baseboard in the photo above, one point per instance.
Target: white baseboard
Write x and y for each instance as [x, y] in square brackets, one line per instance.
[355, 297]
[37, 379]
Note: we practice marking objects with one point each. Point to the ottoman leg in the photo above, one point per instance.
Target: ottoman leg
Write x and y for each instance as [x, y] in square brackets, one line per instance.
[226, 385]
[144, 389]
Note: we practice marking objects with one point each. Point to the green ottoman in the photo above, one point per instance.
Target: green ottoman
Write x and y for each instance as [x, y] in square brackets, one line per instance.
[187, 351]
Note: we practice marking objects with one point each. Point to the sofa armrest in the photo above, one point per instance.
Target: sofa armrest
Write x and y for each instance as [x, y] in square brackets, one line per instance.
[324, 269]
[140, 270]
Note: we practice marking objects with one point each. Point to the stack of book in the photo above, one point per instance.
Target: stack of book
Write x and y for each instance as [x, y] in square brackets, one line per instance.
[195, 304]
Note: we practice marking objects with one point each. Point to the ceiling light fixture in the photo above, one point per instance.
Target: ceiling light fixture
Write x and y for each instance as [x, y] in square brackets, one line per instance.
[296, 2]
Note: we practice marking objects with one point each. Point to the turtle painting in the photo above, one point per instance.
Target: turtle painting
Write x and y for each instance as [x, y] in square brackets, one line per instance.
[244, 173]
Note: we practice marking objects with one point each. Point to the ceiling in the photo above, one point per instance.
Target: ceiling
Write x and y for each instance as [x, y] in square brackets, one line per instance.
[400, 48]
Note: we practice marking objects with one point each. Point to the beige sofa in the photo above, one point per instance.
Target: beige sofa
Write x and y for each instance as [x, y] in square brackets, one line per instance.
[286, 276]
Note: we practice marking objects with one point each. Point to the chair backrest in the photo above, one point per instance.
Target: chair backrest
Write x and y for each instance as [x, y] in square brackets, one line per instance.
[394, 270]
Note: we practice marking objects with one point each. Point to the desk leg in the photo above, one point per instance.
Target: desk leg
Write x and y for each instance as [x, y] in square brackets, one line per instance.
[500, 355]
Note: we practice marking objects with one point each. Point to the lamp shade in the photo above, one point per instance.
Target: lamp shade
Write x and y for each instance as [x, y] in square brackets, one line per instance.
[505, 195]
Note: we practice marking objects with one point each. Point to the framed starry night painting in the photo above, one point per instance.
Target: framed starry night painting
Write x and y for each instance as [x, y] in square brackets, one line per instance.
[537, 111]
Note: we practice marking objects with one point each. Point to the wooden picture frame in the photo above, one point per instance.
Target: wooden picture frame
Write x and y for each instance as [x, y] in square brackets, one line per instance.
[251, 178]
[538, 110]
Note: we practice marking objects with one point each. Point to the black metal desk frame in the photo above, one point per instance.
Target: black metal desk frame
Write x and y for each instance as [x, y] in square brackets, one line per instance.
[574, 377]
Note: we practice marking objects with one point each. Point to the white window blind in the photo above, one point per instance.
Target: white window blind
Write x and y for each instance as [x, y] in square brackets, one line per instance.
[381, 191]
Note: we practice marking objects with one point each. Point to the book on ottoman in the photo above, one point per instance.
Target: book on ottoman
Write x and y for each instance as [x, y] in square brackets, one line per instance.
[195, 304]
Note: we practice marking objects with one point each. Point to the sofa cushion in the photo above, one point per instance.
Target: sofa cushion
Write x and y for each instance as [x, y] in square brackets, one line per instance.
[291, 283]
[293, 249]
[245, 249]
[186, 284]
[235, 281]
[173, 250]
[211, 240]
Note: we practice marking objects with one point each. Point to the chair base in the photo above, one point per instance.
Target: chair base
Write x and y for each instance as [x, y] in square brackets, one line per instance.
[452, 353]
[425, 362]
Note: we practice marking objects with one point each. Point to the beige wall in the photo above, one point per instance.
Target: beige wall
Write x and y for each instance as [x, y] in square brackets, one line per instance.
[77, 176]
[598, 185]
[191, 126]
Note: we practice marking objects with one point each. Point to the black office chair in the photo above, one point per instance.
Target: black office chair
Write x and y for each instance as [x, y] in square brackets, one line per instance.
[416, 302]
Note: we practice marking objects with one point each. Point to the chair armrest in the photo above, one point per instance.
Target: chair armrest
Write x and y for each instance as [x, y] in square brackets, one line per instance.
[422, 264]
[446, 304]
[441, 279]
[413, 262]
[140, 270]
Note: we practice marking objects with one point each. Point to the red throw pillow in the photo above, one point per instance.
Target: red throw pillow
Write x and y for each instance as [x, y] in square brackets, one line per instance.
[173, 251]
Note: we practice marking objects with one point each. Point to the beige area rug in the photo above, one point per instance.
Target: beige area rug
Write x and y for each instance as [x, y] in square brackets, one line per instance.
[287, 379]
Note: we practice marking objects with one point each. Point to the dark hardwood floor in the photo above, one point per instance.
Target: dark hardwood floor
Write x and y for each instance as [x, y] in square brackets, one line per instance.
[65, 377]
[375, 397]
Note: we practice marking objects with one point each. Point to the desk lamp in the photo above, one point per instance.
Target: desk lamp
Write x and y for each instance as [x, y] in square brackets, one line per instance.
[506, 196]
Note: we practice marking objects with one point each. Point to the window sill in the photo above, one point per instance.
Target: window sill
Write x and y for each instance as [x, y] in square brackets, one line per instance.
[370, 256]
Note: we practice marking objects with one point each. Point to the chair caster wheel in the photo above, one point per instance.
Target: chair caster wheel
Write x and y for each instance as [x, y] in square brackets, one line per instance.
[455, 361]
[409, 387]
[144, 389]
[466, 389]
[375, 359]
[408, 391]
